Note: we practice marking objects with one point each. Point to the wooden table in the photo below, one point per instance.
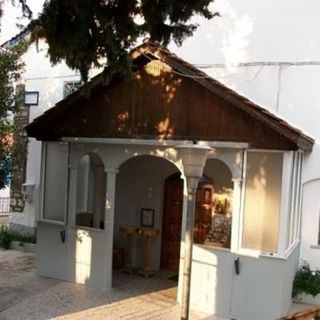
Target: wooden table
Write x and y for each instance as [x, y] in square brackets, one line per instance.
[147, 233]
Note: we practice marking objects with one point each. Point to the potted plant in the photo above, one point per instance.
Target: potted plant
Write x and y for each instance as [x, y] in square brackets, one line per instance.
[306, 285]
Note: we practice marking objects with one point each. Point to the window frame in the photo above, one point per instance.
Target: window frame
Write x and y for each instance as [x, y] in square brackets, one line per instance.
[255, 252]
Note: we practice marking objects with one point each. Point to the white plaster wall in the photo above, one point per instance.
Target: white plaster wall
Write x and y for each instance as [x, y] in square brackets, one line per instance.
[262, 290]
[87, 252]
[51, 253]
[81, 259]
[256, 31]
[310, 249]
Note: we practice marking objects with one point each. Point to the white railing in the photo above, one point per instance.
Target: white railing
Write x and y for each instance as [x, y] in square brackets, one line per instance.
[4, 204]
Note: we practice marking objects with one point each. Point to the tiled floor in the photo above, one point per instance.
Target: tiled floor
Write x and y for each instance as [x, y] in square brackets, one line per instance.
[23, 295]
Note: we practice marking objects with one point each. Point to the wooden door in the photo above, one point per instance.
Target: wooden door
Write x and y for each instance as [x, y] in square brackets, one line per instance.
[203, 214]
[172, 218]
[171, 222]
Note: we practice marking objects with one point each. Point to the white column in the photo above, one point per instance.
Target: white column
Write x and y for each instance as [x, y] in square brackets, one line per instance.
[192, 184]
[109, 220]
[236, 215]
[98, 195]
[71, 221]
[72, 195]
[285, 204]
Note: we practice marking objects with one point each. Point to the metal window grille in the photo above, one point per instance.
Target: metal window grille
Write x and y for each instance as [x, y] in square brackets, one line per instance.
[4, 204]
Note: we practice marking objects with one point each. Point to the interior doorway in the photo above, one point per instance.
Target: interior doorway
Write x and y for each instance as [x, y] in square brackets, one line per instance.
[171, 222]
[172, 218]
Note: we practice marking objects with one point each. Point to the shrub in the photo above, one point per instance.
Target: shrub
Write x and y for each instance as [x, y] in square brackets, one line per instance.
[306, 281]
[7, 236]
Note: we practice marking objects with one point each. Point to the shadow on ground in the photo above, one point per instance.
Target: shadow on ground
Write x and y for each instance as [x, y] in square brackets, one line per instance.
[24, 295]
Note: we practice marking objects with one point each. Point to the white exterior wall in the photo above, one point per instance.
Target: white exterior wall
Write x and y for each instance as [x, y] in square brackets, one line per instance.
[276, 44]
[39, 75]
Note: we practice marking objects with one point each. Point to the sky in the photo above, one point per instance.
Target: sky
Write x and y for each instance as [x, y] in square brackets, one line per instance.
[12, 16]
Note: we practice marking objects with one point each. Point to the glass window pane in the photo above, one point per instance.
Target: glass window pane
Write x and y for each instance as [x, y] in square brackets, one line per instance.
[262, 201]
[55, 184]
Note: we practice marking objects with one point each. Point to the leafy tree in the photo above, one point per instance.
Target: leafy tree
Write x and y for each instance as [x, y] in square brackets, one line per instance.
[10, 68]
[86, 32]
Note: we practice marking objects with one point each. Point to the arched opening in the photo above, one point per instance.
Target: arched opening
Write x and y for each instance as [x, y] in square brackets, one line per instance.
[172, 218]
[219, 232]
[171, 222]
[91, 192]
[139, 207]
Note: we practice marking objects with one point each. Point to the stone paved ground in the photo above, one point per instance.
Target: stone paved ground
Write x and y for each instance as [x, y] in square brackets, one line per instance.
[26, 296]
[4, 219]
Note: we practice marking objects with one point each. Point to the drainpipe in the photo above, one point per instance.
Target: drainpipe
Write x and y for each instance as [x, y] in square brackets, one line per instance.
[193, 160]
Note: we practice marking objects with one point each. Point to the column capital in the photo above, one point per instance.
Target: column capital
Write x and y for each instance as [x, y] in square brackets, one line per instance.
[111, 170]
[192, 184]
[236, 180]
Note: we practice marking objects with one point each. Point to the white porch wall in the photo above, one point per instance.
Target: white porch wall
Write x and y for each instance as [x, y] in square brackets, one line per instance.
[215, 286]
[51, 253]
[262, 290]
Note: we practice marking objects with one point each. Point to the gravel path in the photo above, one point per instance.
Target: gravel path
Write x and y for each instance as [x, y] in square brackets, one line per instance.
[26, 296]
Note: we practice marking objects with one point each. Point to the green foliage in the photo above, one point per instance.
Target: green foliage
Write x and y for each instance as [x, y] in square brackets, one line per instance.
[306, 281]
[86, 32]
[10, 69]
[7, 236]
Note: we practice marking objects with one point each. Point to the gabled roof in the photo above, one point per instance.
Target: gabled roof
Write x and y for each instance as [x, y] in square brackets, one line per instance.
[147, 52]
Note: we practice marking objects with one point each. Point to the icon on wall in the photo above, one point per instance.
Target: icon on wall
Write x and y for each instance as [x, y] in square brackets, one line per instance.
[147, 217]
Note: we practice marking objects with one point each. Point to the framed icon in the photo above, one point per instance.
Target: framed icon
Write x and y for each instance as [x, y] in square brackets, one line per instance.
[147, 217]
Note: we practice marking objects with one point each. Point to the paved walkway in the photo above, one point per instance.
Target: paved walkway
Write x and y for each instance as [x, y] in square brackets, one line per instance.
[23, 295]
[26, 296]
[4, 218]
